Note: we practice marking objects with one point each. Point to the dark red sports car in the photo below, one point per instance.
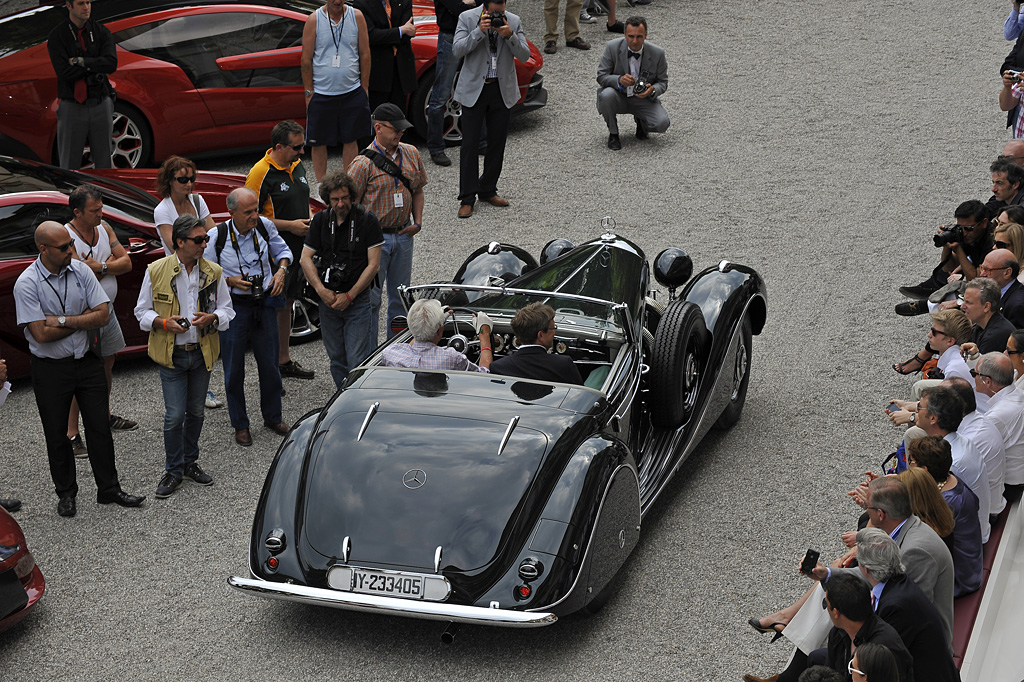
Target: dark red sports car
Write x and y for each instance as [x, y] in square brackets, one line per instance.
[194, 78]
[21, 581]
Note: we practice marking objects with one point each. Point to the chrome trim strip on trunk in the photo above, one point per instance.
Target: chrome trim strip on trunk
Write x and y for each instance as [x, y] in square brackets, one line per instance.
[366, 603]
[512, 423]
[366, 420]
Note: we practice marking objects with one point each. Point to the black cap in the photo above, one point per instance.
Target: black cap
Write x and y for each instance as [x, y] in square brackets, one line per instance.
[389, 113]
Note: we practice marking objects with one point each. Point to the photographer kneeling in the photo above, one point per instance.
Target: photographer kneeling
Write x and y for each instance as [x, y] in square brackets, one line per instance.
[340, 258]
[964, 245]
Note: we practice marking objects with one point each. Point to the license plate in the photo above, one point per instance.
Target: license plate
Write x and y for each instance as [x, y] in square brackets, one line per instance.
[389, 583]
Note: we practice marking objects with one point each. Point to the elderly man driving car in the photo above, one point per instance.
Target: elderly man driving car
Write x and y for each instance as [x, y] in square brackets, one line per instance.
[534, 326]
[426, 322]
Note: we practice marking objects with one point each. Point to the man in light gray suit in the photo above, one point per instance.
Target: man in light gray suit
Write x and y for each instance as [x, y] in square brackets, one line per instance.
[489, 39]
[627, 65]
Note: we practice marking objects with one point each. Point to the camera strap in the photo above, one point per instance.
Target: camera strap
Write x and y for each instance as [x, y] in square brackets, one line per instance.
[222, 236]
[387, 165]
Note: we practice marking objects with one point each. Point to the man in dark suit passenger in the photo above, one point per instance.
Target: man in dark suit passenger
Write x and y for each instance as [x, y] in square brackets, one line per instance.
[901, 603]
[625, 63]
[534, 327]
[1002, 267]
[392, 64]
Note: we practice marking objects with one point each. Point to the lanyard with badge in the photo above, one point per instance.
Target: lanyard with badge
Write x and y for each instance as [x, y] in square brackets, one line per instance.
[336, 61]
[238, 251]
[399, 196]
[492, 39]
[60, 300]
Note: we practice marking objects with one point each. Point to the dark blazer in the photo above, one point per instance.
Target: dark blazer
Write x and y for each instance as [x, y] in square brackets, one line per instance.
[1012, 305]
[533, 362]
[384, 37]
[873, 630]
[906, 608]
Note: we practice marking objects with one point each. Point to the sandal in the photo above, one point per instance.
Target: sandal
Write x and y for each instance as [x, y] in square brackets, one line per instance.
[910, 366]
[756, 624]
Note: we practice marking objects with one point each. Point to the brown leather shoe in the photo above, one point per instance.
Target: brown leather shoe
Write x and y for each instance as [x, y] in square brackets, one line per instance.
[578, 43]
[466, 210]
[242, 437]
[281, 427]
[751, 678]
[497, 201]
[550, 47]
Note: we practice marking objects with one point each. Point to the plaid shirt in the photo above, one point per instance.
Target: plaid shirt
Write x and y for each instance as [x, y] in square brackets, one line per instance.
[376, 189]
[1018, 120]
[426, 355]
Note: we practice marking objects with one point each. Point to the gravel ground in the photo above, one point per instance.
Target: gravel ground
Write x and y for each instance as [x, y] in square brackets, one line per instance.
[819, 143]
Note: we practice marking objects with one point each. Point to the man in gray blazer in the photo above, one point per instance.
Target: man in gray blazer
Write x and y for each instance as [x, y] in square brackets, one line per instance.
[488, 90]
[626, 65]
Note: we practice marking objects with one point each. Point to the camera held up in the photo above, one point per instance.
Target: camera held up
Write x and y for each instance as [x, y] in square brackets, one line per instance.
[498, 19]
[949, 235]
[642, 83]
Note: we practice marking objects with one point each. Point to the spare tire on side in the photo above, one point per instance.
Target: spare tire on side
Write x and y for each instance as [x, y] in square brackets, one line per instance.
[677, 364]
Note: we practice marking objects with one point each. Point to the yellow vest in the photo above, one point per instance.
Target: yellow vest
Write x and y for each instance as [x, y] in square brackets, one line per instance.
[165, 303]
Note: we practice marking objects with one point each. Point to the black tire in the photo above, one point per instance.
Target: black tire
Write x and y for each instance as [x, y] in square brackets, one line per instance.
[740, 368]
[305, 318]
[133, 138]
[418, 111]
[677, 364]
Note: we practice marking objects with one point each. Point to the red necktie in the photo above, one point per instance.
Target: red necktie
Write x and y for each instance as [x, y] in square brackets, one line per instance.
[387, 10]
[81, 90]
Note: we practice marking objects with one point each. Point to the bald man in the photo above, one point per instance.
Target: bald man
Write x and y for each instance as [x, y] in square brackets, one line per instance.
[1002, 267]
[61, 306]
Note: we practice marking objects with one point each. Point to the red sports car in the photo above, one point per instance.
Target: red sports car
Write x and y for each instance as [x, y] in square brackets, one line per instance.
[194, 78]
[21, 581]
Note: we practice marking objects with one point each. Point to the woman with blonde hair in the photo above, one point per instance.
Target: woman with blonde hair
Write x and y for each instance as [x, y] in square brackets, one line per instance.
[928, 503]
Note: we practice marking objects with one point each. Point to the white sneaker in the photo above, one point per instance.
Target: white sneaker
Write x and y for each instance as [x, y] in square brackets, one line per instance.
[586, 18]
[211, 401]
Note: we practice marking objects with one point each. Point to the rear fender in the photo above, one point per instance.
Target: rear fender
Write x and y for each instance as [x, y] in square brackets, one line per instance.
[279, 506]
[590, 498]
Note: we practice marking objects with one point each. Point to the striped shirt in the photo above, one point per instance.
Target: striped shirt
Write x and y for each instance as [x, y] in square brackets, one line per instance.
[426, 355]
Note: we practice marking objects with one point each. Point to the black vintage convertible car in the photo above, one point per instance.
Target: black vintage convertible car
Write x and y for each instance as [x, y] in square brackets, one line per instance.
[497, 500]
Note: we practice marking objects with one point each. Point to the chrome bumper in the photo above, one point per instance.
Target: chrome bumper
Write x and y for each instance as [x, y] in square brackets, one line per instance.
[391, 606]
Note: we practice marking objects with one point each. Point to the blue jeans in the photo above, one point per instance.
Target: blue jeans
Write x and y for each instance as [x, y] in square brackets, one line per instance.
[185, 389]
[444, 78]
[233, 342]
[346, 335]
[396, 268]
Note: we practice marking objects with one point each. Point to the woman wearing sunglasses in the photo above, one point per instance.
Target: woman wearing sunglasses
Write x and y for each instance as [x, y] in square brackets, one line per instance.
[873, 663]
[174, 183]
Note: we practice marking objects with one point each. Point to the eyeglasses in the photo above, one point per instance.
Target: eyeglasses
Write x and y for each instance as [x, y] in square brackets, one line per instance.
[553, 327]
[1013, 352]
[824, 604]
[297, 147]
[850, 669]
[198, 240]
[388, 125]
[975, 373]
[61, 247]
[936, 332]
[1002, 245]
[185, 179]
[968, 228]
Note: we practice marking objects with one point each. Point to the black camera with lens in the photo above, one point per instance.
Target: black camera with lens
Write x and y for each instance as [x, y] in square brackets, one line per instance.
[336, 277]
[642, 83]
[954, 234]
[498, 19]
[256, 288]
[184, 323]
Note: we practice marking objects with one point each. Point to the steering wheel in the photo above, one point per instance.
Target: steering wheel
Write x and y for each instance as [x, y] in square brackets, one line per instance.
[458, 341]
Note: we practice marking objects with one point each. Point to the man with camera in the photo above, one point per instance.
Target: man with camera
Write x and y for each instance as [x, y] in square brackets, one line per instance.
[964, 245]
[1010, 98]
[633, 74]
[248, 247]
[184, 304]
[82, 53]
[489, 40]
[340, 258]
[388, 177]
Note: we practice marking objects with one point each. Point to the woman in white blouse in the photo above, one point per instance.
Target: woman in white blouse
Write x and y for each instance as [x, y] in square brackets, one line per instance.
[174, 183]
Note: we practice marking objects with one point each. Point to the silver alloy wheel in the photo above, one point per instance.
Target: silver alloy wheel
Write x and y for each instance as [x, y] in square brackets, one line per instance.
[739, 368]
[452, 134]
[305, 319]
[127, 144]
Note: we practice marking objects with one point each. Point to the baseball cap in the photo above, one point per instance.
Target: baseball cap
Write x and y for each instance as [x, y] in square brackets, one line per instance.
[389, 113]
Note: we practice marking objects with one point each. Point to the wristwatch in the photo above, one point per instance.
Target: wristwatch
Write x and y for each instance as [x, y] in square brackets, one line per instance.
[913, 418]
[61, 320]
[103, 269]
[309, 93]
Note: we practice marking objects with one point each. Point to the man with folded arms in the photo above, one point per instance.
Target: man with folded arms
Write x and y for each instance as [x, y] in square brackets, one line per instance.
[61, 306]
[184, 302]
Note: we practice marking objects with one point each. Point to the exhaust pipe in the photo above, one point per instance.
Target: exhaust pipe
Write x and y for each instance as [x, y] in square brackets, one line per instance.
[450, 630]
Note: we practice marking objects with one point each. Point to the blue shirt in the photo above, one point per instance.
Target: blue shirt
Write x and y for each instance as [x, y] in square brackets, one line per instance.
[72, 291]
[248, 254]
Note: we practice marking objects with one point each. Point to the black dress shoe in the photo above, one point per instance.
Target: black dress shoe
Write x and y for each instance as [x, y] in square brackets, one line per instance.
[120, 498]
[440, 159]
[613, 143]
[10, 504]
[911, 308]
[617, 27]
[66, 506]
[919, 291]
[641, 129]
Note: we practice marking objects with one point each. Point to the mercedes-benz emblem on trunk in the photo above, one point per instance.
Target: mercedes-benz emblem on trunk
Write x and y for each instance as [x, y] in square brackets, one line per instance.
[414, 478]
